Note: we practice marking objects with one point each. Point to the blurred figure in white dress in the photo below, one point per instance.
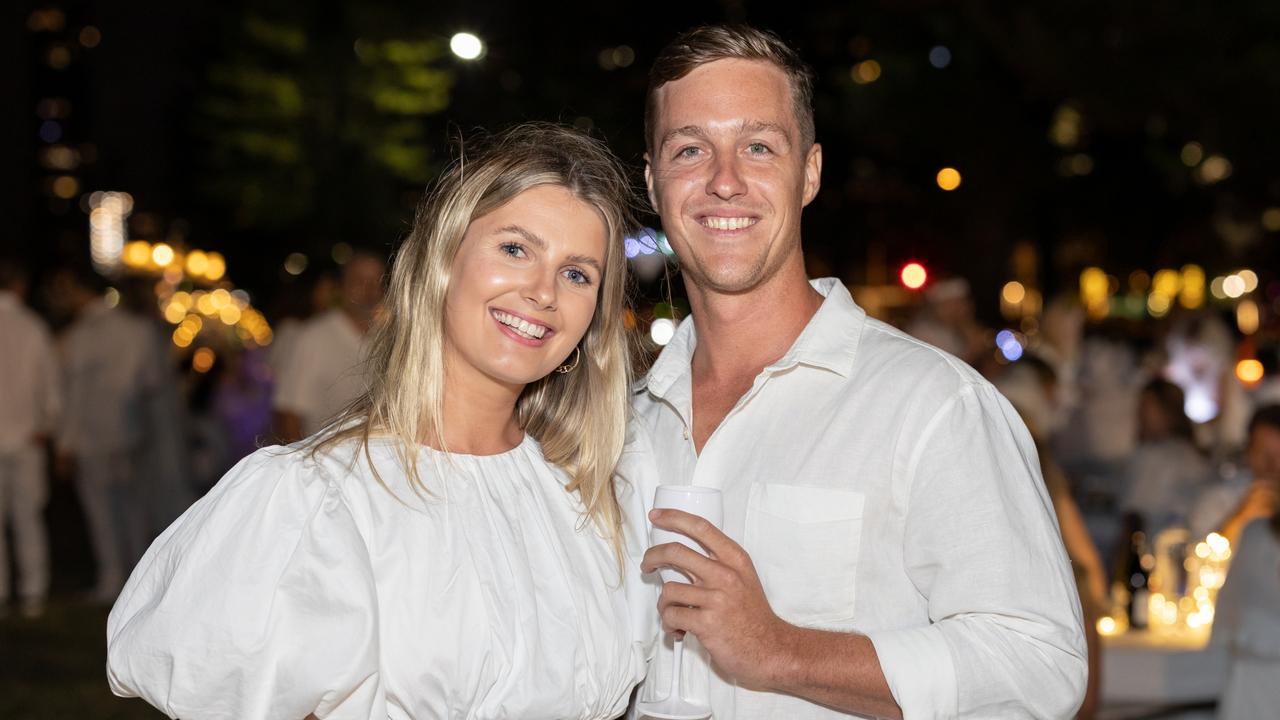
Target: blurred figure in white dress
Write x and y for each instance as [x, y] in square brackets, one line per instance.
[455, 545]
[113, 371]
[30, 397]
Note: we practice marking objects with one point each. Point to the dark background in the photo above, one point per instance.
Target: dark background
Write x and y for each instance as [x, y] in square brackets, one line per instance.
[262, 128]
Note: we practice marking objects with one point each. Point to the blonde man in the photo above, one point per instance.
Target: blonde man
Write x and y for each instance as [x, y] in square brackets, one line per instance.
[889, 548]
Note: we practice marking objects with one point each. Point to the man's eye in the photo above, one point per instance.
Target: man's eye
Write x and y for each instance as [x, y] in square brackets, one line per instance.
[758, 149]
[688, 152]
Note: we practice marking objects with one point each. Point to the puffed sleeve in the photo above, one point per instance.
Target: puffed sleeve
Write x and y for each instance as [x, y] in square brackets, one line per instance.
[1006, 637]
[259, 602]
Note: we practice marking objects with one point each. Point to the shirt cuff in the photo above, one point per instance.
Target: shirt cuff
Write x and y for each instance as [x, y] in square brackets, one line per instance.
[917, 664]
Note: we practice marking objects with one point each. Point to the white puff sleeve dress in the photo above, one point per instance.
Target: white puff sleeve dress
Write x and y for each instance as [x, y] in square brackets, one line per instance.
[302, 585]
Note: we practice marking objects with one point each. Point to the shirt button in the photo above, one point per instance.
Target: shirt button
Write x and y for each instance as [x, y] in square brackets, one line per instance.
[686, 432]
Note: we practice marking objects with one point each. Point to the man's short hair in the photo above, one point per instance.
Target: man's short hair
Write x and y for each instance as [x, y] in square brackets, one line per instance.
[1265, 416]
[708, 43]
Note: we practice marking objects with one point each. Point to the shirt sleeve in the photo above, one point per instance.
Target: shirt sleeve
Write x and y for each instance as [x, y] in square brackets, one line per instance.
[981, 544]
[258, 602]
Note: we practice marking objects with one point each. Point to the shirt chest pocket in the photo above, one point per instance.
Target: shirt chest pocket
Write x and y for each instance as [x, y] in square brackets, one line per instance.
[804, 542]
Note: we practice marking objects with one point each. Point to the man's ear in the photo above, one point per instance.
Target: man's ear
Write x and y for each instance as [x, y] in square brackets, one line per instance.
[812, 173]
[648, 181]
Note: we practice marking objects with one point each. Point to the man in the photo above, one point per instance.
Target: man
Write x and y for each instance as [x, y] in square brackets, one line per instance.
[888, 548]
[113, 369]
[324, 369]
[1230, 506]
[29, 402]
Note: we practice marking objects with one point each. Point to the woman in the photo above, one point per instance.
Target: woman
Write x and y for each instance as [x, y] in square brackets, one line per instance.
[450, 546]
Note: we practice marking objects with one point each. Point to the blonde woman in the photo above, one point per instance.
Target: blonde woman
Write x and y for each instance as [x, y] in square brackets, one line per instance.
[455, 544]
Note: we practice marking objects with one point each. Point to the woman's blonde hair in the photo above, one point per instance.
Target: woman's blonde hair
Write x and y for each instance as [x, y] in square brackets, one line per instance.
[578, 417]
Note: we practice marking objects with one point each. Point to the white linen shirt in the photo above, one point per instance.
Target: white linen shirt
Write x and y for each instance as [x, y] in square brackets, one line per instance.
[323, 371]
[30, 395]
[882, 487]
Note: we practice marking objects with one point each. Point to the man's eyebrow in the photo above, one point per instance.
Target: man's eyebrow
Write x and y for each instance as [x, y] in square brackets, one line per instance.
[746, 126]
[688, 130]
[764, 126]
[534, 239]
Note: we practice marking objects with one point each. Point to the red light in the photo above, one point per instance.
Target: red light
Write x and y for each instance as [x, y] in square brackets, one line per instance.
[914, 276]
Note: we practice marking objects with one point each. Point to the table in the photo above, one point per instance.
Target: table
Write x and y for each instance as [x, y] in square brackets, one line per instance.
[1153, 675]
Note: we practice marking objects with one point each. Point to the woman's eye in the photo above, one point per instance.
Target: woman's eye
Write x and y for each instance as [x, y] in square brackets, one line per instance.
[577, 277]
[515, 250]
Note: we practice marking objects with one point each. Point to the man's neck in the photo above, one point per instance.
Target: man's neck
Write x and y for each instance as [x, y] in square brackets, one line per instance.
[741, 334]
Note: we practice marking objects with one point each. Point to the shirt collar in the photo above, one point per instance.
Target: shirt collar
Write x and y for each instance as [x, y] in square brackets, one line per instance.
[829, 340]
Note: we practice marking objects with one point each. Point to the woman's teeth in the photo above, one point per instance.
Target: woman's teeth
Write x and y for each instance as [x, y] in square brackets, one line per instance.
[522, 327]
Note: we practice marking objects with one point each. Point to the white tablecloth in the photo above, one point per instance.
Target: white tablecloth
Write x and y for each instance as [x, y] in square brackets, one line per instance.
[1153, 671]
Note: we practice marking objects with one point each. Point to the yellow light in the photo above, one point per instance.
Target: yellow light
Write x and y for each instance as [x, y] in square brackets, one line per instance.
[1106, 625]
[1233, 286]
[948, 178]
[1247, 317]
[197, 263]
[1201, 595]
[1192, 294]
[1249, 372]
[466, 46]
[229, 314]
[202, 360]
[162, 254]
[182, 337]
[193, 323]
[1192, 154]
[1219, 287]
[1013, 292]
[137, 253]
[1218, 543]
[1250, 279]
[1158, 305]
[1167, 283]
[174, 312]
[217, 266]
[220, 298]
[66, 187]
[867, 71]
[182, 298]
[1271, 219]
[204, 304]
[914, 276]
[1202, 550]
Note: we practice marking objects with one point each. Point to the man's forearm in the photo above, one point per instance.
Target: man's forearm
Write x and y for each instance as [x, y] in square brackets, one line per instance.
[839, 670]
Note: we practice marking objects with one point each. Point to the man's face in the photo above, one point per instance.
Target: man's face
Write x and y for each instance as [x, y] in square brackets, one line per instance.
[730, 174]
[1264, 453]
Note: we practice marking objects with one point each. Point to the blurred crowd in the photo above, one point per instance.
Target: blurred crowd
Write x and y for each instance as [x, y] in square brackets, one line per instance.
[139, 427]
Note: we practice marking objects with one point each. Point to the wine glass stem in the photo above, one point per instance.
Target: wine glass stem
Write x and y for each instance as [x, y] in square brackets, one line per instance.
[677, 658]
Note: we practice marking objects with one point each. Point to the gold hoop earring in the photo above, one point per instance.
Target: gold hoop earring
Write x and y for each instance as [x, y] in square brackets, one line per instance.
[569, 367]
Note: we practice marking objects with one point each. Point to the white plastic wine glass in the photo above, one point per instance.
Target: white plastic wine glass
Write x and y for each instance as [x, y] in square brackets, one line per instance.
[704, 502]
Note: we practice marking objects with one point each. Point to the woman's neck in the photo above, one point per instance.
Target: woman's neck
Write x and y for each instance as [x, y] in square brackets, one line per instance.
[479, 415]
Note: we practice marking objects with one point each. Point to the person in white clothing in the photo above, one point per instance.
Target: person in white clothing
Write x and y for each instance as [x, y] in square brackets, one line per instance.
[30, 398]
[112, 368]
[325, 367]
[889, 548]
[455, 544]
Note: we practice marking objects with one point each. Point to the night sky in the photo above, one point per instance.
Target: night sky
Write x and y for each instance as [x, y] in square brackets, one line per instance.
[1115, 188]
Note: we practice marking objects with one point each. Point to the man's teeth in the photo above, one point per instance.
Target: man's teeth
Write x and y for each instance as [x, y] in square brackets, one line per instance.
[728, 223]
[521, 326]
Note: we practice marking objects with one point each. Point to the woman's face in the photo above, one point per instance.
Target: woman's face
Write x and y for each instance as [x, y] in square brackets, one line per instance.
[523, 289]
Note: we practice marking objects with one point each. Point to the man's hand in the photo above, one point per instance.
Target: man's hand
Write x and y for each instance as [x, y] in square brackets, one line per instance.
[725, 607]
